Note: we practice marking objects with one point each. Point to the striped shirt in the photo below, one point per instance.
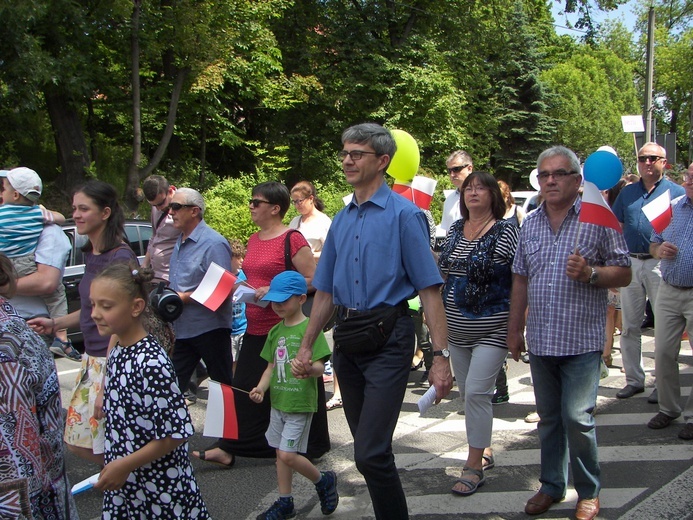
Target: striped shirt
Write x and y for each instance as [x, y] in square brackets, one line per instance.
[20, 227]
[566, 317]
[488, 330]
[679, 270]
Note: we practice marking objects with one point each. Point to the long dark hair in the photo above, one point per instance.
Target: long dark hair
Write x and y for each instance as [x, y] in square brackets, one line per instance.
[105, 196]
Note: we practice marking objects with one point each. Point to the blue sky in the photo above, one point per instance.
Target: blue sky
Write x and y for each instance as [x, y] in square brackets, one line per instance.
[625, 13]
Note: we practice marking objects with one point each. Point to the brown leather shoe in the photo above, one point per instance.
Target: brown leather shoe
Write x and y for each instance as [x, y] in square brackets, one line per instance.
[540, 503]
[587, 509]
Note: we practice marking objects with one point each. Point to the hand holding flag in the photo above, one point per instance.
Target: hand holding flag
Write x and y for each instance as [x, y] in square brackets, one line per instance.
[215, 287]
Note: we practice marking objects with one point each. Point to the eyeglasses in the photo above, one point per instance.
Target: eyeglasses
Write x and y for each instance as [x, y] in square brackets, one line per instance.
[688, 178]
[651, 158]
[354, 154]
[458, 169]
[161, 205]
[480, 189]
[557, 174]
[175, 206]
[256, 202]
[297, 202]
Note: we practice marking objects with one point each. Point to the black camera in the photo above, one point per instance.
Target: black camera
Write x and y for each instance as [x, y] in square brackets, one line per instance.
[166, 302]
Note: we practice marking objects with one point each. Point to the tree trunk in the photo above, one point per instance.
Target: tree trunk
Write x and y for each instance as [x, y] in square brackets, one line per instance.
[133, 180]
[73, 153]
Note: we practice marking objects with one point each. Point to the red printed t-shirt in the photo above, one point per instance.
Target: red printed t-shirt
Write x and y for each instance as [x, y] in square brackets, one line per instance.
[263, 261]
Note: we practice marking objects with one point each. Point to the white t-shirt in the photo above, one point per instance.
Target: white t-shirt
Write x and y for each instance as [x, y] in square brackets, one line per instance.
[53, 249]
[314, 231]
[451, 210]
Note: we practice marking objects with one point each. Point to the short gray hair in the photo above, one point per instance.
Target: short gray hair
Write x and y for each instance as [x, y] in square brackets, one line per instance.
[461, 154]
[191, 196]
[374, 135]
[563, 152]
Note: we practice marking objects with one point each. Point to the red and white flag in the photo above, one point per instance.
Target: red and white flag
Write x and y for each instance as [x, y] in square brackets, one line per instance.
[595, 210]
[659, 212]
[419, 191]
[221, 420]
[215, 287]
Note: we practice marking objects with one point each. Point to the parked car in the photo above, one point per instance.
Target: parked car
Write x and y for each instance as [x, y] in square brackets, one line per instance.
[137, 232]
[527, 200]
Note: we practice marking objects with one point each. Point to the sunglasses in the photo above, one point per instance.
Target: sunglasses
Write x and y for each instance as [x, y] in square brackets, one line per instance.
[175, 206]
[650, 158]
[256, 202]
[457, 169]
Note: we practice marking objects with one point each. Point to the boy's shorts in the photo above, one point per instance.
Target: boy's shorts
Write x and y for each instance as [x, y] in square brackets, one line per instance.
[56, 303]
[289, 431]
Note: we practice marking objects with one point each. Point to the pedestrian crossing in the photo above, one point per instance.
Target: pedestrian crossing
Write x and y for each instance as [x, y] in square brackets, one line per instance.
[646, 474]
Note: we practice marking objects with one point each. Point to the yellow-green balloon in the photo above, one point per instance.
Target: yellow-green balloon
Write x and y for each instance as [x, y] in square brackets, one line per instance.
[405, 163]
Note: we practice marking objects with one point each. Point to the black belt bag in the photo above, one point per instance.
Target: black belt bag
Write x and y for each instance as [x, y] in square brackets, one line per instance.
[366, 332]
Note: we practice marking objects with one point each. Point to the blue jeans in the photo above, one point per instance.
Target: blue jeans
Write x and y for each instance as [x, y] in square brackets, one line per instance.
[565, 389]
[373, 387]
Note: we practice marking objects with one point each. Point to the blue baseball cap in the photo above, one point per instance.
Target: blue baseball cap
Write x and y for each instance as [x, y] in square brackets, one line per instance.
[285, 285]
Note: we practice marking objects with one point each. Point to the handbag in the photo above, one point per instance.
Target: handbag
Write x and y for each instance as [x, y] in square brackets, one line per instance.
[366, 333]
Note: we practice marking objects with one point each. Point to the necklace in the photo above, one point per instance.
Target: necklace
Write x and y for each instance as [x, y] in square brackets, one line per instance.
[475, 234]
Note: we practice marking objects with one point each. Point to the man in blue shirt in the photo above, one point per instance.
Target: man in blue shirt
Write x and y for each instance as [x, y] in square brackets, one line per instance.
[646, 276]
[200, 332]
[674, 309]
[377, 255]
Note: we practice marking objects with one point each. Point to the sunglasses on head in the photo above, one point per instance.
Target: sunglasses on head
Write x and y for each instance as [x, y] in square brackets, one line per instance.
[457, 169]
[175, 206]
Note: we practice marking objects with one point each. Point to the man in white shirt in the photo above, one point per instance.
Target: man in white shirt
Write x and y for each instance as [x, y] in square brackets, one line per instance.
[459, 165]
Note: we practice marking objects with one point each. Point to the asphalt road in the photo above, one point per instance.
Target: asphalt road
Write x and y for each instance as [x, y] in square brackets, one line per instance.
[646, 474]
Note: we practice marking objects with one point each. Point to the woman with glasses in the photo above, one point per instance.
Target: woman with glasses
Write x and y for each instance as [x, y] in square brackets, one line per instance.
[269, 252]
[475, 260]
[312, 222]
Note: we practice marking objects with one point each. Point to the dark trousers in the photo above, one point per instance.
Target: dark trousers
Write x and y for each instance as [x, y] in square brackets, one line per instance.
[373, 387]
[214, 347]
[253, 418]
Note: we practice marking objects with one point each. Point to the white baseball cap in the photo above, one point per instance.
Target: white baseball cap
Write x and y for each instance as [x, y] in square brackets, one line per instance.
[25, 181]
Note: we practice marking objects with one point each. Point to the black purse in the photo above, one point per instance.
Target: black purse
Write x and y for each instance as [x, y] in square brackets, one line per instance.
[366, 333]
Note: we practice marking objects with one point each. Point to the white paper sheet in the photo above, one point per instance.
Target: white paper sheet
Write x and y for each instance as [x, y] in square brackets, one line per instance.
[427, 400]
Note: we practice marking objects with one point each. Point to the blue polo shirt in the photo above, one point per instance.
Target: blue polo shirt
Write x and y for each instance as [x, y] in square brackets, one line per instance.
[377, 253]
[628, 210]
[190, 261]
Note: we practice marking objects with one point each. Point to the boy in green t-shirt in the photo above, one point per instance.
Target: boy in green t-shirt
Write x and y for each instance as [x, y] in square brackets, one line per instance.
[294, 401]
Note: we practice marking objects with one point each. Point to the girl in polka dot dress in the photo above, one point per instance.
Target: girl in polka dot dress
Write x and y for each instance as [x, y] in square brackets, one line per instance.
[147, 473]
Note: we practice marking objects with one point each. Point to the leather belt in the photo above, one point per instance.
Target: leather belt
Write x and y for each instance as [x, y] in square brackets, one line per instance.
[346, 312]
[641, 256]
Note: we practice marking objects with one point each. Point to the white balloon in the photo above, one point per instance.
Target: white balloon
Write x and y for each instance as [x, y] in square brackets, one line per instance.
[607, 149]
[534, 179]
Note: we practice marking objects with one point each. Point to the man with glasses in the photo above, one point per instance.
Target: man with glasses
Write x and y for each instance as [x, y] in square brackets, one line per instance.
[674, 309]
[159, 193]
[459, 165]
[646, 276]
[564, 285]
[375, 258]
[200, 332]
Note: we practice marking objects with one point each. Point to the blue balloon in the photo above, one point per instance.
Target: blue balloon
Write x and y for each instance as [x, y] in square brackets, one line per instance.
[603, 169]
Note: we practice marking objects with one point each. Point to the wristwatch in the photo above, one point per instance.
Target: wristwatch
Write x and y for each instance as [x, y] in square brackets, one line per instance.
[442, 352]
[593, 276]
